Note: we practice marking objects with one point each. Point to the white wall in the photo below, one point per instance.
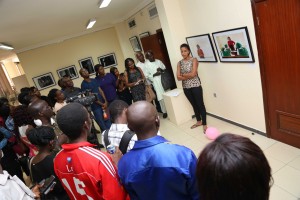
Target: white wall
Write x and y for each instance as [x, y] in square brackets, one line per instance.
[237, 85]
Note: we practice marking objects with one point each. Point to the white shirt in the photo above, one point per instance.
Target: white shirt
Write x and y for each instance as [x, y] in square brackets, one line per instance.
[116, 133]
[143, 67]
[12, 188]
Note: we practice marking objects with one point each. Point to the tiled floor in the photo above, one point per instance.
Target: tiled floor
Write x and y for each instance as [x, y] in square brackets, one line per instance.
[284, 159]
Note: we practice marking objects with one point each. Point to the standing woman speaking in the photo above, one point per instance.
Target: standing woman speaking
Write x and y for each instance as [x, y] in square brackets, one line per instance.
[187, 72]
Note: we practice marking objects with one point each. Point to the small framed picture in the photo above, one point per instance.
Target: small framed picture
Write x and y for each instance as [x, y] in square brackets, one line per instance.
[69, 71]
[87, 63]
[135, 43]
[108, 60]
[145, 34]
[234, 45]
[202, 48]
[44, 81]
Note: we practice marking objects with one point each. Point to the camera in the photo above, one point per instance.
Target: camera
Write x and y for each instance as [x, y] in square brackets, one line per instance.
[88, 99]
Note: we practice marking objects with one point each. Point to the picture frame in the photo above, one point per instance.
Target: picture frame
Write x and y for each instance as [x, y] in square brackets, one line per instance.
[234, 45]
[44, 81]
[108, 60]
[202, 48]
[68, 71]
[134, 41]
[145, 34]
[88, 64]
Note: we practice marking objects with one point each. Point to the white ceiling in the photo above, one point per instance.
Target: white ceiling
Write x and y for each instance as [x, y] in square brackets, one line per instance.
[26, 24]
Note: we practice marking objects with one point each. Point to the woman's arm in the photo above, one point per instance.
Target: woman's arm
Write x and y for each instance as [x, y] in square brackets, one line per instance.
[142, 73]
[194, 71]
[179, 75]
[104, 105]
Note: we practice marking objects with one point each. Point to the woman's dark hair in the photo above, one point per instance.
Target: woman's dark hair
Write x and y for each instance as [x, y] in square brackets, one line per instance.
[127, 66]
[96, 68]
[116, 108]
[51, 97]
[24, 98]
[112, 70]
[233, 167]
[41, 136]
[21, 116]
[184, 45]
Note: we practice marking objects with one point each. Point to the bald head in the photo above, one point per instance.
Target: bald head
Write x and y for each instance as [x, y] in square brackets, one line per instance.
[40, 109]
[140, 57]
[143, 119]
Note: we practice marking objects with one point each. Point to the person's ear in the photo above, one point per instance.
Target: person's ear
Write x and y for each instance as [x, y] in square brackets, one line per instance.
[157, 121]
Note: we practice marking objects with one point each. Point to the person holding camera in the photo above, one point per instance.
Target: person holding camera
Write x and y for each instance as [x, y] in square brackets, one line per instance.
[99, 106]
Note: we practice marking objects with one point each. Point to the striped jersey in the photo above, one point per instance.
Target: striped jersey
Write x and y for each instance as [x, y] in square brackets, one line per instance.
[87, 173]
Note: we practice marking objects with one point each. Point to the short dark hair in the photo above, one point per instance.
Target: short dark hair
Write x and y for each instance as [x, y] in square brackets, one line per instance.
[184, 45]
[69, 123]
[96, 68]
[233, 167]
[22, 117]
[51, 97]
[116, 108]
[112, 70]
[41, 136]
[24, 98]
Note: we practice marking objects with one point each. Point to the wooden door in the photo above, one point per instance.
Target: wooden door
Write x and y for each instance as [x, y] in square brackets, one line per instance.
[277, 26]
[156, 43]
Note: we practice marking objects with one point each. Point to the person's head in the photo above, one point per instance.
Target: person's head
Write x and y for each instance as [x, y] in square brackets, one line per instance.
[129, 64]
[122, 76]
[40, 109]
[3, 100]
[99, 69]
[24, 98]
[61, 83]
[140, 57]
[198, 47]
[228, 38]
[74, 126]
[21, 116]
[25, 89]
[143, 119]
[35, 92]
[84, 73]
[150, 56]
[117, 110]
[185, 50]
[67, 82]
[114, 71]
[233, 167]
[4, 110]
[55, 95]
[43, 137]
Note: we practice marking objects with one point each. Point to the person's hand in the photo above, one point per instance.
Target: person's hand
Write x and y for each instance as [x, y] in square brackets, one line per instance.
[36, 191]
[104, 106]
[116, 156]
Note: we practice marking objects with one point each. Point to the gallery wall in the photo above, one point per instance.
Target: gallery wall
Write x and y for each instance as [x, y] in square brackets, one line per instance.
[237, 86]
[56, 56]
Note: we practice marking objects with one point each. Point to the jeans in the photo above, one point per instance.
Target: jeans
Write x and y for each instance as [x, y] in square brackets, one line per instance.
[103, 124]
[195, 97]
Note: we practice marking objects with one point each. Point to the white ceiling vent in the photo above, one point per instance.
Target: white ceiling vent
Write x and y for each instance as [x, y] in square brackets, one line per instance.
[152, 11]
[131, 23]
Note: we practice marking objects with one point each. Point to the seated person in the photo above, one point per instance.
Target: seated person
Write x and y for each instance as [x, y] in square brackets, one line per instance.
[234, 168]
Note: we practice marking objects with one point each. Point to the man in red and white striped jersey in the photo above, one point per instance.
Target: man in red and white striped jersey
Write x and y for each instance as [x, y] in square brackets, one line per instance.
[85, 172]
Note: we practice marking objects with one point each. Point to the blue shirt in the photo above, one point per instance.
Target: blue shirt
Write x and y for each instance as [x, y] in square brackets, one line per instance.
[156, 169]
[94, 87]
[108, 85]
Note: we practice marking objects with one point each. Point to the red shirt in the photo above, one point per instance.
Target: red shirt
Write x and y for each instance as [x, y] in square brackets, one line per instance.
[87, 173]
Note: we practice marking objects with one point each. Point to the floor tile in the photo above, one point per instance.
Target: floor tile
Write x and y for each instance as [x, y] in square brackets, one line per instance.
[283, 152]
[275, 164]
[278, 193]
[295, 163]
[288, 178]
[262, 141]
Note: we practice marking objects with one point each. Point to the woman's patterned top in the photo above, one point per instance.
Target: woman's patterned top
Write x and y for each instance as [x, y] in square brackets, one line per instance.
[185, 68]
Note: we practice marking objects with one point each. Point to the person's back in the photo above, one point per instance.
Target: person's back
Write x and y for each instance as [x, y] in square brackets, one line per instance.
[85, 172]
[154, 168]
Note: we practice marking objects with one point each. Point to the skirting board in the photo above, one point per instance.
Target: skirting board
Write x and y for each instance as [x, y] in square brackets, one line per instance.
[237, 124]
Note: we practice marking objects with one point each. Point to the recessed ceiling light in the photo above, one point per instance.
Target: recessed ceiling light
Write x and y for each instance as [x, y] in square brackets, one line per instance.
[104, 3]
[6, 47]
[91, 23]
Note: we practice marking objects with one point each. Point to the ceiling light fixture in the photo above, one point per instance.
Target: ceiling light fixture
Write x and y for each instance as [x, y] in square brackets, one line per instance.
[6, 47]
[91, 23]
[104, 3]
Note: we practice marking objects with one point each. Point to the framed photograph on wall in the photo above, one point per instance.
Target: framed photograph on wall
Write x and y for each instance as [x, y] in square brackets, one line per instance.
[44, 81]
[134, 41]
[87, 63]
[202, 48]
[69, 71]
[108, 60]
[234, 45]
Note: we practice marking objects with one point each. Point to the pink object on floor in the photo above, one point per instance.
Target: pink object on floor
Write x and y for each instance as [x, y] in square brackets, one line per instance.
[212, 133]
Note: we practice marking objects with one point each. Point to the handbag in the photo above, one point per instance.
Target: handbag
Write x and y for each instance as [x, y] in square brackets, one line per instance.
[167, 80]
[150, 95]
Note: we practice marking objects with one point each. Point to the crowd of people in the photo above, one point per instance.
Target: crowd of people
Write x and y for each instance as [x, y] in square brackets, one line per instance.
[48, 137]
